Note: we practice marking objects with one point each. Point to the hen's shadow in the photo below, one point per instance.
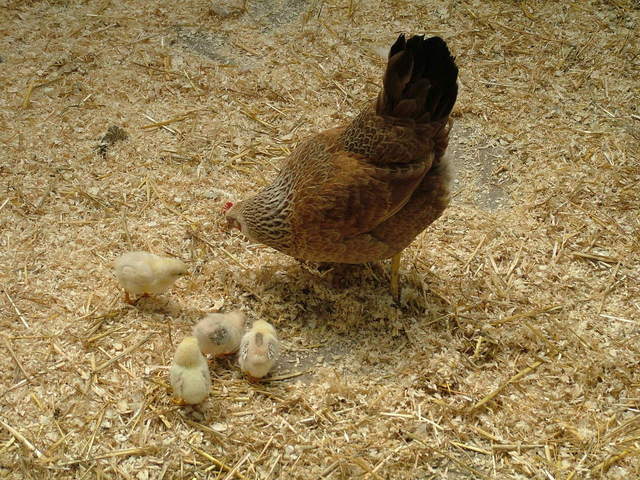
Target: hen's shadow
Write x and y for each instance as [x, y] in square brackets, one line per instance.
[332, 314]
[353, 300]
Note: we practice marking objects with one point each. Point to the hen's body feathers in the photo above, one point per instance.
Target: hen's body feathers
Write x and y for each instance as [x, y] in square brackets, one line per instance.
[364, 191]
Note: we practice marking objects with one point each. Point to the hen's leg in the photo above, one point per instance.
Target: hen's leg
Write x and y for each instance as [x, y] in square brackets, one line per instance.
[395, 275]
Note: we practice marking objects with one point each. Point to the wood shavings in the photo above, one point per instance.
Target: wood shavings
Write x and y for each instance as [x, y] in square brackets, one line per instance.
[21, 438]
[513, 379]
[537, 258]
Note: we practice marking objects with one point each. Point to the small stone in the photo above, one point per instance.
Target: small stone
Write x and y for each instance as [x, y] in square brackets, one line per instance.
[219, 427]
[227, 8]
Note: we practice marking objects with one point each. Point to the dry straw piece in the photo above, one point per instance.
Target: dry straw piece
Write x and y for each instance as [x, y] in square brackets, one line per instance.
[523, 300]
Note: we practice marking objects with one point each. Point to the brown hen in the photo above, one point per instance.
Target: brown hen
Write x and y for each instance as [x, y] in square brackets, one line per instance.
[362, 192]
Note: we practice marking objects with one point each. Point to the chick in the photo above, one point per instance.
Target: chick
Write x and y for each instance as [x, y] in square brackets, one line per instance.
[220, 333]
[189, 374]
[259, 350]
[143, 273]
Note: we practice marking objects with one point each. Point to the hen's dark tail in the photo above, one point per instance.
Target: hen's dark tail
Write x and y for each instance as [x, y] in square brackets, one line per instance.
[420, 81]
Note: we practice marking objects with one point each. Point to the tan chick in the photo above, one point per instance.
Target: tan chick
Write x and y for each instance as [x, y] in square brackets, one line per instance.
[144, 273]
[220, 333]
[259, 350]
[189, 374]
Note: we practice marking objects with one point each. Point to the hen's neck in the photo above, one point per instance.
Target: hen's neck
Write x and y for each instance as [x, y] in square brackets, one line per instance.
[267, 214]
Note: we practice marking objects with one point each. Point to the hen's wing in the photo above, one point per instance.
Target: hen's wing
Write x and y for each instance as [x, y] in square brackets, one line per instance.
[362, 175]
[351, 195]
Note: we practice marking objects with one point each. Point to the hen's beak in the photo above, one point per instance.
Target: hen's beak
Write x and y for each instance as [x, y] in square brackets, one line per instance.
[232, 223]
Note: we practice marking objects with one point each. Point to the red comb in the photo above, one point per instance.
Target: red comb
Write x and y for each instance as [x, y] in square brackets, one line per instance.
[227, 206]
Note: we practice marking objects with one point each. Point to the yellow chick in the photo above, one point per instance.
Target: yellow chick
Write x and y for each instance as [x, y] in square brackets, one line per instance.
[189, 374]
[143, 273]
[259, 350]
[220, 333]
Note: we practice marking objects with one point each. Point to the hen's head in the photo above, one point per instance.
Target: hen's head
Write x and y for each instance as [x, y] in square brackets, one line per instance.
[263, 218]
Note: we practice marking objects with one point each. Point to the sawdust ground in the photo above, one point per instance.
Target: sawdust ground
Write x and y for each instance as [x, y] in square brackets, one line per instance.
[514, 352]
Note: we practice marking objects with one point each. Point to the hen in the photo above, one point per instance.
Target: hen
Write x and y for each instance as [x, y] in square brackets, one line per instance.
[363, 191]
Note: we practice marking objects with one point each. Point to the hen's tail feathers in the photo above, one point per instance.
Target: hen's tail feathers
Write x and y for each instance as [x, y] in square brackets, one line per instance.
[420, 81]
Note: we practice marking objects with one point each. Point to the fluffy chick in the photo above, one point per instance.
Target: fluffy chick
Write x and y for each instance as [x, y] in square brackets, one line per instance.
[189, 374]
[144, 273]
[259, 350]
[220, 333]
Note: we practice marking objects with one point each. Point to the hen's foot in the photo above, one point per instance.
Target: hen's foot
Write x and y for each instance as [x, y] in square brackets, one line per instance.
[395, 276]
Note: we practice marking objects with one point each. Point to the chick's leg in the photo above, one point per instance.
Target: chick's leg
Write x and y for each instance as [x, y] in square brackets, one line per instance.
[395, 275]
[127, 298]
